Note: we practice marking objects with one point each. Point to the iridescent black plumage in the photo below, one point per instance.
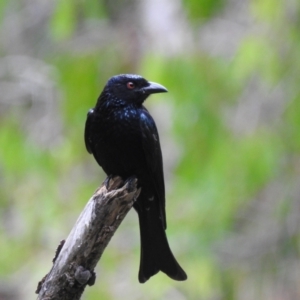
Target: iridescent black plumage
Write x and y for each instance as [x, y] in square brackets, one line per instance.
[123, 138]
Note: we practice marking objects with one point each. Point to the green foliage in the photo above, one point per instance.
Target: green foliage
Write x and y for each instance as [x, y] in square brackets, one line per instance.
[201, 9]
[257, 56]
[268, 10]
[290, 137]
[64, 19]
[68, 14]
[219, 170]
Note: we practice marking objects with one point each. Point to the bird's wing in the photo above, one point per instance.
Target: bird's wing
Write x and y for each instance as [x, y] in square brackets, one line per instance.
[152, 151]
[87, 130]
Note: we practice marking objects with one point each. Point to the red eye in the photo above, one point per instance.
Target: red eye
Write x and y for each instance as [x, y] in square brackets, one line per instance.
[130, 85]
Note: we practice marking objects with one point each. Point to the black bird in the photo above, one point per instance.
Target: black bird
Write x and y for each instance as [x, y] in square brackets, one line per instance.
[122, 136]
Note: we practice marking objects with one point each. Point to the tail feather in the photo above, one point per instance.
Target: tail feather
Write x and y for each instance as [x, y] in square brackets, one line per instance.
[156, 254]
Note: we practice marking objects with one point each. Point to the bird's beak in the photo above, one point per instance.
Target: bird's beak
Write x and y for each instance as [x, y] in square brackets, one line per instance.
[154, 87]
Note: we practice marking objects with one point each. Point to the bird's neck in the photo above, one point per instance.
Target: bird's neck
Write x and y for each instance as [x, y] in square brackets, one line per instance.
[106, 100]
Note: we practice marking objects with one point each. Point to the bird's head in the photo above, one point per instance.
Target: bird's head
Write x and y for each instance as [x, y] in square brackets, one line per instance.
[131, 88]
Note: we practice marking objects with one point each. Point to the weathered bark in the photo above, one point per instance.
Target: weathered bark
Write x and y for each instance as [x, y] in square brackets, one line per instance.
[77, 257]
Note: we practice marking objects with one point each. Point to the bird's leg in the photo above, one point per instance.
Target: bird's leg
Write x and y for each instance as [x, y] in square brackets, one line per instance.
[107, 180]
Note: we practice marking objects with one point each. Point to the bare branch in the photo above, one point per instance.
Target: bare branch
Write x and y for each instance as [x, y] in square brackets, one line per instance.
[76, 259]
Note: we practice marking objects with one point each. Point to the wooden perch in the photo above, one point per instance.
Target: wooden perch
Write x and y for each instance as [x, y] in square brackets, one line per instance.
[76, 258]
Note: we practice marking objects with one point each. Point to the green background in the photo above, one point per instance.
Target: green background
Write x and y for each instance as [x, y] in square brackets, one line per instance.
[229, 126]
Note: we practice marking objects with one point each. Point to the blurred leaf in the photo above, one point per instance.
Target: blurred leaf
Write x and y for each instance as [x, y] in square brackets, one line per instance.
[291, 135]
[268, 10]
[64, 20]
[201, 9]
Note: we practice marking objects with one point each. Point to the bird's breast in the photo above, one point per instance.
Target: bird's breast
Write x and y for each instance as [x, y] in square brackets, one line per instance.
[117, 141]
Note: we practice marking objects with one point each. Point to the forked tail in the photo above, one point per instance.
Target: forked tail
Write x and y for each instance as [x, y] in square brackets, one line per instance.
[156, 254]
